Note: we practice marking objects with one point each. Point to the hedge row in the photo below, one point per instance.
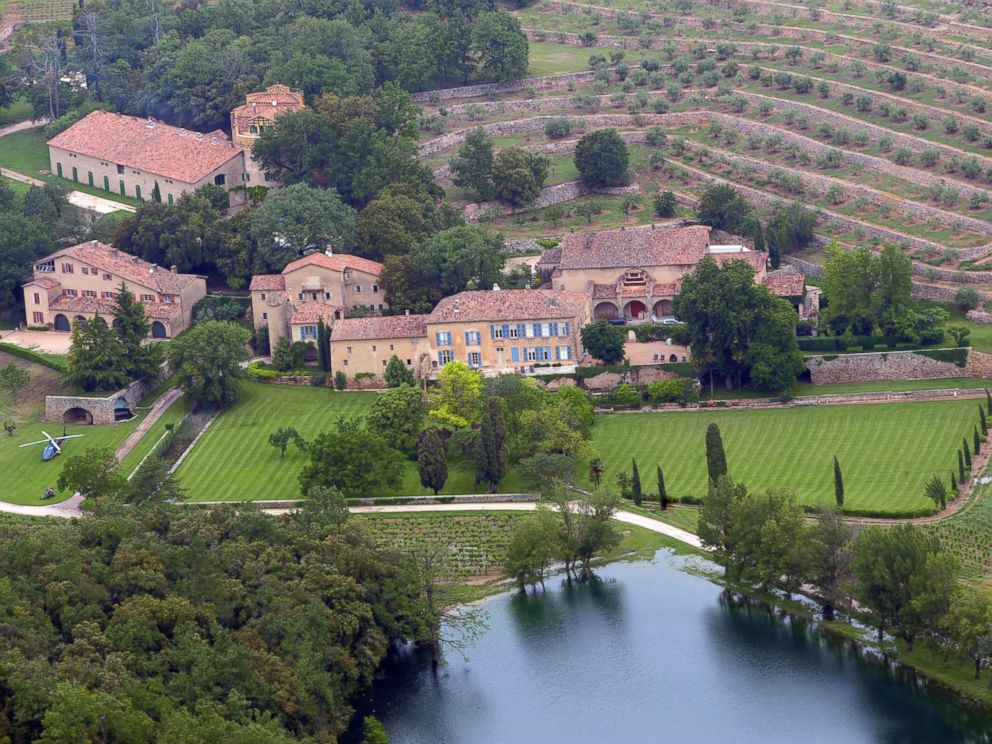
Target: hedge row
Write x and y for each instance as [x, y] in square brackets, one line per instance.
[959, 357]
[849, 343]
[52, 362]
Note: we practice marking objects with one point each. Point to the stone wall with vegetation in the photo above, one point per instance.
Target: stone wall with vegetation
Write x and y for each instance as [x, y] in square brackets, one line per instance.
[870, 367]
[100, 407]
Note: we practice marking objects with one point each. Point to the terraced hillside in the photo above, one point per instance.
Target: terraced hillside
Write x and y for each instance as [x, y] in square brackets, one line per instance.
[876, 114]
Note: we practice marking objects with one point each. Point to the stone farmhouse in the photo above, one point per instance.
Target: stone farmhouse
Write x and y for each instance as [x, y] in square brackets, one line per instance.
[320, 286]
[259, 111]
[75, 284]
[636, 273]
[494, 331]
[131, 156]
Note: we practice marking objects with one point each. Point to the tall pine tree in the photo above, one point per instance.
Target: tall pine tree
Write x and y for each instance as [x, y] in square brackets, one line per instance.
[142, 361]
[716, 459]
[838, 483]
[95, 361]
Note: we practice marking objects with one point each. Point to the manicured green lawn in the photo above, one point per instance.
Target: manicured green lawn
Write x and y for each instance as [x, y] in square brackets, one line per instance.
[172, 415]
[25, 152]
[887, 451]
[234, 460]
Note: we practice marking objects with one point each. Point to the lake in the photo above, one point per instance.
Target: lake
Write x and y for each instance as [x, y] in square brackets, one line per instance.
[651, 653]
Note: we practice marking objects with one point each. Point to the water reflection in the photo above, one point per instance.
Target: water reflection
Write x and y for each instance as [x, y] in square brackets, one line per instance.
[652, 654]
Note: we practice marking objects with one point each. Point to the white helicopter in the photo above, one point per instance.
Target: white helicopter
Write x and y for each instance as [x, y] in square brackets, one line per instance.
[53, 445]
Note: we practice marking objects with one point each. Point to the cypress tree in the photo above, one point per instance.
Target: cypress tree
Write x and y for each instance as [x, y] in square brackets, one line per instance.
[432, 463]
[988, 402]
[323, 346]
[983, 421]
[716, 459]
[978, 442]
[967, 452]
[490, 462]
[662, 491]
[838, 483]
[961, 473]
[635, 485]
[954, 483]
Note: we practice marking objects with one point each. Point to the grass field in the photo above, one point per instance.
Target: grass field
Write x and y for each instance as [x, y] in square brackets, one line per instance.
[234, 461]
[886, 451]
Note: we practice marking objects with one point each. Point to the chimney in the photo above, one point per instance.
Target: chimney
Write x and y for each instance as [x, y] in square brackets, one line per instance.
[407, 312]
[496, 287]
[173, 269]
[329, 251]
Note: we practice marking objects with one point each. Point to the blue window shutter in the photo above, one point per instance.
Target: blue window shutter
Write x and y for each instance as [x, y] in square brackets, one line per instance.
[554, 329]
[467, 341]
[521, 329]
[515, 354]
[568, 331]
[492, 330]
[547, 353]
[506, 330]
[437, 338]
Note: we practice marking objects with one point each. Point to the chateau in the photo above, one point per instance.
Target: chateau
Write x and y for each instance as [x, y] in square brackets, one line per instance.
[258, 112]
[75, 284]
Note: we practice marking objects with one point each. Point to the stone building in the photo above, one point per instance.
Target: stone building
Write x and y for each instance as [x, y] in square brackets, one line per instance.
[494, 331]
[320, 286]
[259, 111]
[75, 284]
[637, 273]
[131, 156]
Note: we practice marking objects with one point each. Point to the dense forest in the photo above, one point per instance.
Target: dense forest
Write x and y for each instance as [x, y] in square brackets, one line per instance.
[157, 624]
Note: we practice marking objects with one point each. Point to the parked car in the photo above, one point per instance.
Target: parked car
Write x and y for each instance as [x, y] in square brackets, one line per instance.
[617, 321]
[671, 321]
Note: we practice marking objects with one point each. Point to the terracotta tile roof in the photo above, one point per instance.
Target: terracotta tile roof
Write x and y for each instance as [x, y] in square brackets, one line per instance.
[311, 312]
[551, 256]
[784, 283]
[641, 247]
[756, 259]
[45, 282]
[267, 282]
[604, 291]
[508, 304]
[336, 262]
[268, 104]
[66, 304]
[147, 145]
[123, 265]
[379, 327]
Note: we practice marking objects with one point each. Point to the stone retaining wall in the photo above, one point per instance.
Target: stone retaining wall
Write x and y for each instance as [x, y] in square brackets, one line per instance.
[870, 367]
[512, 86]
[550, 195]
[101, 408]
[980, 316]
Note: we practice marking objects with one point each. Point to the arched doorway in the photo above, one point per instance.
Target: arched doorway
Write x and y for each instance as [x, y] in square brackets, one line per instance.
[664, 309]
[673, 358]
[117, 323]
[122, 411]
[77, 416]
[605, 311]
[634, 309]
[80, 320]
[158, 330]
[61, 323]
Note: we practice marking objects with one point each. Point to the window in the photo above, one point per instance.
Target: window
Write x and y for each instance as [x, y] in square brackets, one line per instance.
[308, 333]
[107, 295]
[67, 268]
[327, 295]
[137, 173]
[564, 353]
[392, 347]
[167, 299]
[265, 316]
[530, 354]
[409, 362]
[564, 329]
[147, 298]
[529, 330]
[39, 318]
[358, 288]
[219, 179]
[69, 292]
[375, 288]
[443, 338]
[75, 174]
[84, 270]
[444, 356]
[170, 199]
[89, 293]
[373, 347]
[496, 331]
[473, 338]
[345, 362]
[313, 295]
[120, 169]
[349, 349]
[383, 362]
[474, 359]
[37, 298]
[300, 296]
[263, 295]
[107, 277]
[253, 128]
[514, 330]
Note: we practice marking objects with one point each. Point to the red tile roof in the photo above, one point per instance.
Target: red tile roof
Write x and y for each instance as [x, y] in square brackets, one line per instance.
[508, 304]
[379, 327]
[311, 312]
[336, 262]
[641, 247]
[268, 104]
[66, 304]
[45, 282]
[123, 265]
[147, 145]
[756, 259]
[785, 283]
[267, 282]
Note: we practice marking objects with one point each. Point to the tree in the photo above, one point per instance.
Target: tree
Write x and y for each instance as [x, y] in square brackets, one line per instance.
[340, 381]
[92, 474]
[397, 416]
[518, 175]
[358, 462]
[473, 166]
[300, 219]
[398, 218]
[397, 373]
[142, 360]
[977, 440]
[968, 624]
[962, 475]
[284, 358]
[532, 548]
[10, 426]
[460, 258]
[596, 470]
[601, 158]
[283, 436]
[500, 46]
[554, 214]
[716, 518]
[967, 452]
[13, 380]
[716, 460]
[936, 491]
[723, 208]
[95, 361]
[789, 230]
[490, 455]
[324, 345]
[662, 491]
[635, 485]
[829, 558]
[960, 334]
[207, 362]
[603, 341]
[22, 242]
[767, 539]
[457, 399]
[838, 484]
[432, 463]
[983, 421]
[865, 291]
[373, 732]
[153, 483]
[665, 204]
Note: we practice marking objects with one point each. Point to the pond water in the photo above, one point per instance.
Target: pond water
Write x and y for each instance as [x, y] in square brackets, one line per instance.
[650, 653]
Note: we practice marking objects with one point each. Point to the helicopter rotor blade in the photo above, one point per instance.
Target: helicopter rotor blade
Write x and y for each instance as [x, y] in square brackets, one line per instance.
[40, 441]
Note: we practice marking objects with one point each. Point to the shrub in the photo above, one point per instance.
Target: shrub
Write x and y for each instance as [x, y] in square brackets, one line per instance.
[855, 349]
[558, 127]
[626, 396]
[966, 298]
